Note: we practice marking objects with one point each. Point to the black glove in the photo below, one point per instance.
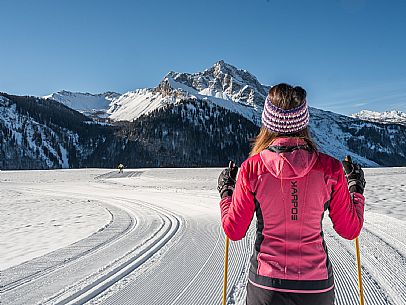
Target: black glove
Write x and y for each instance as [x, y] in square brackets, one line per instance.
[226, 181]
[355, 176]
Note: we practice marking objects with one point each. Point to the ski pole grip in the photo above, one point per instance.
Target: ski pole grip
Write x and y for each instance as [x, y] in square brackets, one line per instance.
[354, 175]
[231, 164]
[348, 165]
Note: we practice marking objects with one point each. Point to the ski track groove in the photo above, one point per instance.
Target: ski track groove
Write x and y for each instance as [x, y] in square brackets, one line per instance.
[95, 288]
[134, 293]
[342, 255]
[23, 295]
[207, 282]
[343, 261]
[38, 263]
[386, 263]
[151, 294]
[125, 174]
[391, 230]
[237, 292]
[198, 273]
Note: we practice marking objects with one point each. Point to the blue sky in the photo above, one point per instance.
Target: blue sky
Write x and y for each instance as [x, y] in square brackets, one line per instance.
[348, 54]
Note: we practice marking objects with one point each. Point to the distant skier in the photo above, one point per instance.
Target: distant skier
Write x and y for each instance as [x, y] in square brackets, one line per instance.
[289, 184]
[120, 168]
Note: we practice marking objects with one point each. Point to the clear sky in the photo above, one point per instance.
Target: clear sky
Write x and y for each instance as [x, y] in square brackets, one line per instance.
[348, 54]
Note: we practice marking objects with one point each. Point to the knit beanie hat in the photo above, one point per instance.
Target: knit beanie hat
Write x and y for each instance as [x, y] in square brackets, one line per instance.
[283, 121]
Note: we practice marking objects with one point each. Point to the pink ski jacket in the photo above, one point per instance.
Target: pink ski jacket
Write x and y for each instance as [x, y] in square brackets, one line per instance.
[289, 192]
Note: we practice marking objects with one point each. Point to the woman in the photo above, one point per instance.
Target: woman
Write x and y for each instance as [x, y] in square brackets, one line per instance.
[289, 185]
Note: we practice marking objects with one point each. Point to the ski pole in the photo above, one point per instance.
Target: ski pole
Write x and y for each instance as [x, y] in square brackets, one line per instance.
[360, 289]
[358, 255]
[225, 270]
[230, 165]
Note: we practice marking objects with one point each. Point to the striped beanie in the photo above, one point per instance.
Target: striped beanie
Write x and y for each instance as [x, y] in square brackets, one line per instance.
[284, 121]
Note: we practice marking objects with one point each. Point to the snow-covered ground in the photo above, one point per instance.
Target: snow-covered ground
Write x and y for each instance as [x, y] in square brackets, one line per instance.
[153, 236]
[34, 224]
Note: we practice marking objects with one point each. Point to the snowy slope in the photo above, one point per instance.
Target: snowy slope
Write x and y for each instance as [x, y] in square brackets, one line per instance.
[84, 102]
[37, 133]
[327, 130]
[132, 105]
[391, 117]
[29, 142]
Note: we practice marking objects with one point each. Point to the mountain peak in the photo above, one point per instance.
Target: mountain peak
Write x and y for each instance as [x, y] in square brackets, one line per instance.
[221, 67]
[221, 64]
[222, 84]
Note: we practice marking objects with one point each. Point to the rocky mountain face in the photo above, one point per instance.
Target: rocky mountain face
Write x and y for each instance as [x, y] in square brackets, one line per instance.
[223, 81]
[188, 120]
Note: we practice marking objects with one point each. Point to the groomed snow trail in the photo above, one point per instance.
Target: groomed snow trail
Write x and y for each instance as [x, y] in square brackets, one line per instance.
[38, 267]
[165, 245]
[377, 288]
[77, 273]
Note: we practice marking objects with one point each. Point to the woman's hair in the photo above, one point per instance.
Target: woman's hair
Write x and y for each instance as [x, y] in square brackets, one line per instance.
[286, 97]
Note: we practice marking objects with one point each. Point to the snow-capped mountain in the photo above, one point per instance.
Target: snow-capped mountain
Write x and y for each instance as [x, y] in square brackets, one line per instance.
[240, 92]
[223, 85]
[188, 120]
[86, 103]
[387, 117]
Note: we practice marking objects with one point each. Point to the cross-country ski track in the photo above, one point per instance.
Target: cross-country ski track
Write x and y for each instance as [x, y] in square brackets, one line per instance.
[164, 243]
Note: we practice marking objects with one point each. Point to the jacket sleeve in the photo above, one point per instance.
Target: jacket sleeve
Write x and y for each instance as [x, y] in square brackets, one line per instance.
[237, 210]
[346, 210]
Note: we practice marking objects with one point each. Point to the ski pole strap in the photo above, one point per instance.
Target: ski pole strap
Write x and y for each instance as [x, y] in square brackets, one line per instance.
[281, 149]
